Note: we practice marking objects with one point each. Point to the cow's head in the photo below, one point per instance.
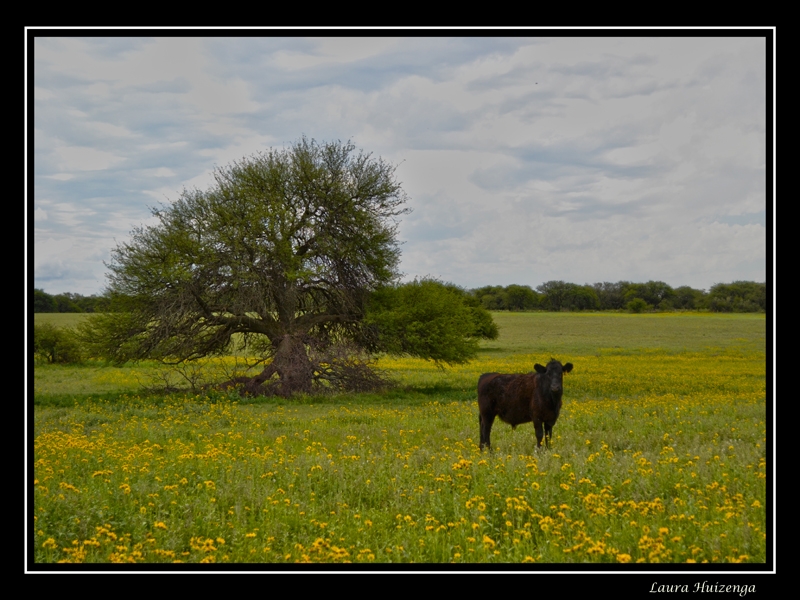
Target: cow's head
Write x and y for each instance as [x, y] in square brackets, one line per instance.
[553, 375]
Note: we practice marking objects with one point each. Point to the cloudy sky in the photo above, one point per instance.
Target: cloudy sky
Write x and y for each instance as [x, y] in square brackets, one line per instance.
[526, 159]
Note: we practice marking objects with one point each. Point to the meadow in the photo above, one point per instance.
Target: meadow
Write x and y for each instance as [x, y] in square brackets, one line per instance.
[659, 456]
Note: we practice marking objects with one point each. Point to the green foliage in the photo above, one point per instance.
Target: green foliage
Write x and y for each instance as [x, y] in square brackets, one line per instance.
[429, 319]
[637, 305]
[56, 345]
[654, 293]
[43, 302]
[687, 298]
[67, 302]
[559, 295]
[521, 297]
[739, 296]
[485, 327]
[114, 336]
[90, 304]
[555, 294]
[491, 297]
[584, 297]
[611, 296]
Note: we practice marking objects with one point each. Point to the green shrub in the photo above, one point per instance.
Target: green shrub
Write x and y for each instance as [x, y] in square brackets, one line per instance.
[637, 305]
[429, 319]
[55, 345]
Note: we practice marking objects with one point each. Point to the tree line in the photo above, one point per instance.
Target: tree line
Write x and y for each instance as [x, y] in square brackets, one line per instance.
[68, 302]
[739, 296]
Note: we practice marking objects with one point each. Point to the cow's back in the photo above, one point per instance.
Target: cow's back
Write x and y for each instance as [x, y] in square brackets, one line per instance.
[491, 387]
[507, 396]
[484, 380]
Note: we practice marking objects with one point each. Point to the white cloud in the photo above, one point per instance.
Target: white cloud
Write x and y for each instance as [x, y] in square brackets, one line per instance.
[335, 50]
[77, 158]
[220, 98]
[161, 172]
[69, 214]
[42, 94]
[109, 130]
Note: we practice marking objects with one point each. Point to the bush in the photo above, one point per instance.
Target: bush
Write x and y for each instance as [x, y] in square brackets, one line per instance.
[429, 319]
[56, 345]
[637, 305]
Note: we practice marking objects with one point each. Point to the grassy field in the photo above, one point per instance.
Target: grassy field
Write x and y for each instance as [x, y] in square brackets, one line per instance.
[660, 456]
[60, 319]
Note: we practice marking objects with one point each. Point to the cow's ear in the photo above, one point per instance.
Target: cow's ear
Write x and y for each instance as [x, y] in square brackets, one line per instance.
[539, 368]
[567, 367]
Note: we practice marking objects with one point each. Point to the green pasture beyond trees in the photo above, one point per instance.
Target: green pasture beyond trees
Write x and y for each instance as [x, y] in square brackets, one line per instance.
[543, 334]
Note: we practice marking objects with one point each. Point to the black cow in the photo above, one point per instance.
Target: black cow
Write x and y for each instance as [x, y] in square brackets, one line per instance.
[522, 398]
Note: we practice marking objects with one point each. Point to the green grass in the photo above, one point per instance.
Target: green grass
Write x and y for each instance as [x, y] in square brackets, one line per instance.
[60, 319]
[659, 456]
[539, 334]
[564, 334]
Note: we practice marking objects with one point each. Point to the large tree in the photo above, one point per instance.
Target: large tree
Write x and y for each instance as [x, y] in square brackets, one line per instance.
[283, 248]
[282, 253]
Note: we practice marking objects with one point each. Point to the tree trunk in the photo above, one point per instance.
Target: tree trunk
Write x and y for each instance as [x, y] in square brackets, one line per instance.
[336, 368]
[292, 365]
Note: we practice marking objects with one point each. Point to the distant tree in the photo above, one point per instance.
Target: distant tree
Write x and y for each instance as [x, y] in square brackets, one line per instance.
[583, 297]
[43, 302]
[65, 304]
[79, 302]
[611, 296]
[652, 292]
[555, 294]
[739, 296]
[492, 297]
[61, 303]
[521, 297]
[90, 304]
[559, 295]
[688, 298]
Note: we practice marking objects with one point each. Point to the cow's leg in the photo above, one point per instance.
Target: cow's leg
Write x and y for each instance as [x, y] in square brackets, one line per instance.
[548, 433]
[537, 425]
[486, 429]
